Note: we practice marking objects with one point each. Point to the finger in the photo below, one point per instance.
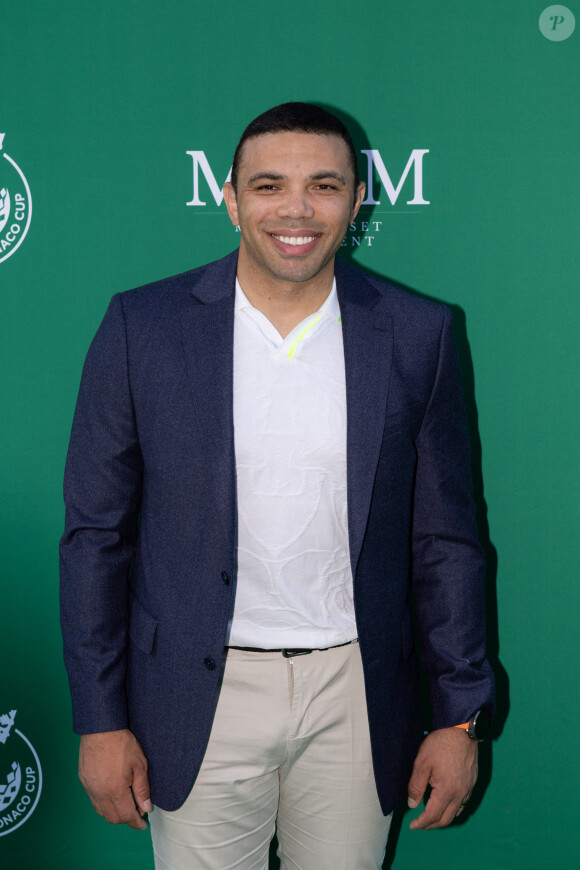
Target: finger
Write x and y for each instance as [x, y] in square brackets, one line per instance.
[439, 811]
[427, 822]
[447, 816]
[118, 808]
[463, 804]
[121, 810]
[120, 813]
[141, 791]
[136, 822]
[417, 785]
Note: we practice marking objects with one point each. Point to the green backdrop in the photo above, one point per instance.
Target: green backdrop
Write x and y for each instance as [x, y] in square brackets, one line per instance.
[101, 103]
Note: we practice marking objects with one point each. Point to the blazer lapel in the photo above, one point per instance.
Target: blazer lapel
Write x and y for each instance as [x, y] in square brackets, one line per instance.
[367, 329]
[208, 342]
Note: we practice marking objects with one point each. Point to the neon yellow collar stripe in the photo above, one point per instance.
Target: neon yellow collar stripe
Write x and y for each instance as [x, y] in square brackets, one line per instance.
[301, 336]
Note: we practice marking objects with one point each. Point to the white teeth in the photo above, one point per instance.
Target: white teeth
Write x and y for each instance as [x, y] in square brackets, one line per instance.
[295, 240]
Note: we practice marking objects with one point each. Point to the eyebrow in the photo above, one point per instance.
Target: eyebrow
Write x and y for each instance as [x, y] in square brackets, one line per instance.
[317, 176]
[270, 176]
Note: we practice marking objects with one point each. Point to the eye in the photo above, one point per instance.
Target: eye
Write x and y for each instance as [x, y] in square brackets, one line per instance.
[267, 187]
[325, 186]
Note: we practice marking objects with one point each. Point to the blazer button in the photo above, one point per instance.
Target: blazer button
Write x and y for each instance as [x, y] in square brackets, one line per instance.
[225, 578]
[209, 663]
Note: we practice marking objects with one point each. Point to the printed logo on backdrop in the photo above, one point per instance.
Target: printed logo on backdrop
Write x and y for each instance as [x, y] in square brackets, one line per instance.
[20, 776]
[382, 187]
[557, 23]
[15, 204]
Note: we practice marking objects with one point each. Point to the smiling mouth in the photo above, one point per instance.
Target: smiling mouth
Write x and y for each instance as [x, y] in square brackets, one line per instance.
[295, 241]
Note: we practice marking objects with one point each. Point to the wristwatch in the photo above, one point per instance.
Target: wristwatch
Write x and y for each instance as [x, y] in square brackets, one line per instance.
[478, 726]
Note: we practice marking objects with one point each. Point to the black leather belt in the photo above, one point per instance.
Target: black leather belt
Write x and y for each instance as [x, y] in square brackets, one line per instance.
[290, 653]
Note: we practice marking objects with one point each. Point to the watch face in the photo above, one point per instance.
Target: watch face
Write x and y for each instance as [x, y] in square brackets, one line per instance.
[480, 724]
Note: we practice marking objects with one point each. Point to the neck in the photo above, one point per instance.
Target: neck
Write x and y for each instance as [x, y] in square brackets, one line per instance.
[285, 303]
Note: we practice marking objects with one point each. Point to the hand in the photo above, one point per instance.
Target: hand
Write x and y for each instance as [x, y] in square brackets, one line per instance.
[447, 761]
[113, 771]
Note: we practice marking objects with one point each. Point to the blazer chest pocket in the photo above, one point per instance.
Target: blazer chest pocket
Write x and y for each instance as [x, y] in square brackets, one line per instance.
[142, 627]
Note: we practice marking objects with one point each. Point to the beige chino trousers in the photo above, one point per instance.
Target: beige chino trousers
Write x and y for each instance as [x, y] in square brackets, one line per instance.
[289, 752]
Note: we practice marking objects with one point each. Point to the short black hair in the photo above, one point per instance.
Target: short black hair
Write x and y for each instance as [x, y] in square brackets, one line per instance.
[295, 117]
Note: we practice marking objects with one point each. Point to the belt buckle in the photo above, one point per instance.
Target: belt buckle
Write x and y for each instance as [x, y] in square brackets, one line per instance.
[291, 653]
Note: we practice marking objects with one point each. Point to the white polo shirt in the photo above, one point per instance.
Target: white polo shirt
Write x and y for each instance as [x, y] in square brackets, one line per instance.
[294, 580]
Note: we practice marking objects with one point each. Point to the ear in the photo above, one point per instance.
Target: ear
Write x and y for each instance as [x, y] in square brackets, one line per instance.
[359, 196]
[231, 202]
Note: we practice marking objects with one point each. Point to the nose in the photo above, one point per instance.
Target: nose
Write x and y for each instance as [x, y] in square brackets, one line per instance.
[296, 204]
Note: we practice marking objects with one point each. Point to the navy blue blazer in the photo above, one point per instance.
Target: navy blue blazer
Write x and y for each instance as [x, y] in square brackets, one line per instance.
[148, 556]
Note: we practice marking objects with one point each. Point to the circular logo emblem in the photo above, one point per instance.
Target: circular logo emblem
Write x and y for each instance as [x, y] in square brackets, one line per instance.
[557, 23]
[15, 205]
[20, 776]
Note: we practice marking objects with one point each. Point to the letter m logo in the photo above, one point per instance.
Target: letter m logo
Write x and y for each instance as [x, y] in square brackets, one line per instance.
[376, 161]
[200, 161]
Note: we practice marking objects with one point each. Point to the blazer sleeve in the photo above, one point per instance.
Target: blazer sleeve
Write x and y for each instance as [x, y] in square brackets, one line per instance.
[102, 491]
[448, 576]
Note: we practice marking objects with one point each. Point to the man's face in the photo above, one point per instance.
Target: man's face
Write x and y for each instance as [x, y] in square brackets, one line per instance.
[295, 200]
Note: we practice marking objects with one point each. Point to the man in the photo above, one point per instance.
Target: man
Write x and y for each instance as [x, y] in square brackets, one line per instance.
[269, 457]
